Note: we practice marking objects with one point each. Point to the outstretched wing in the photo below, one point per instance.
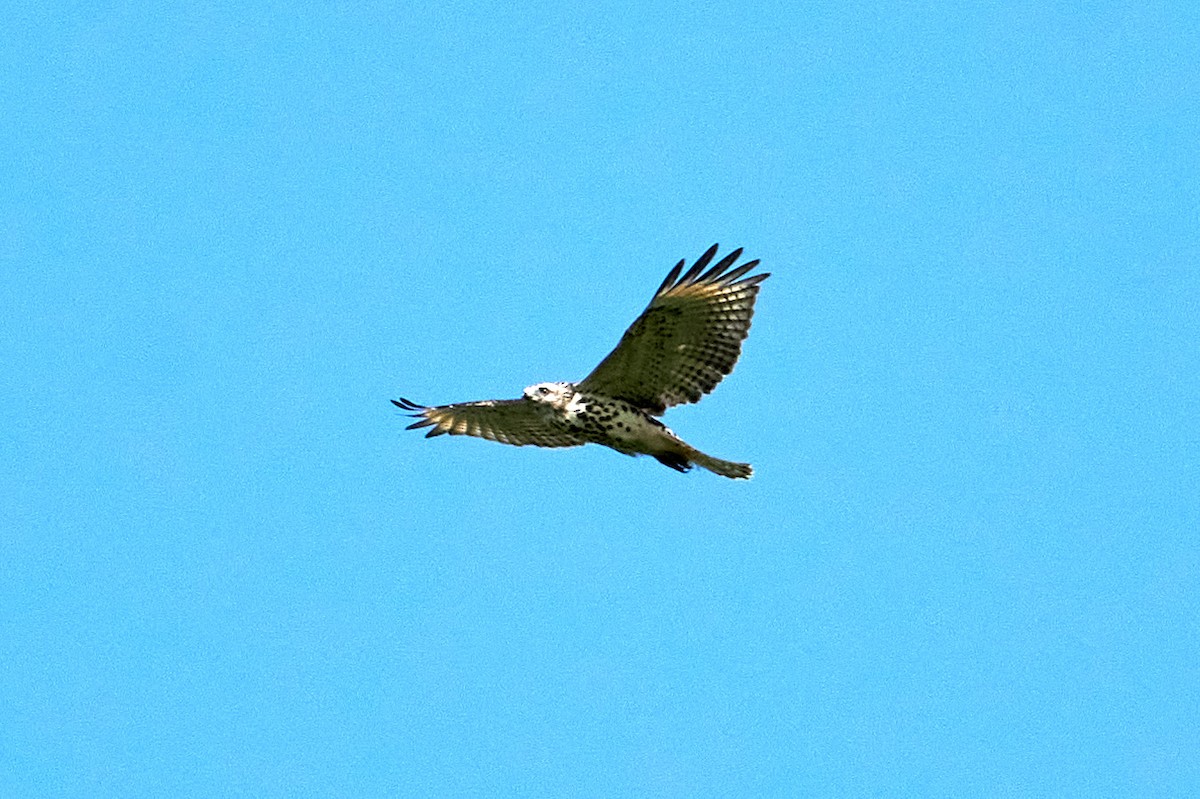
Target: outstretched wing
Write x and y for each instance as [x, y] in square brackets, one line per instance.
[517, 422]
[686, 340]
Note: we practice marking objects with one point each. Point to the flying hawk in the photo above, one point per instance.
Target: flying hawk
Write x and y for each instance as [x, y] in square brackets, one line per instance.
[683, 344]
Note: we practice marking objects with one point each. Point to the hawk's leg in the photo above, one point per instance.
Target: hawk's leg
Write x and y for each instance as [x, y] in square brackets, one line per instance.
[674, 460]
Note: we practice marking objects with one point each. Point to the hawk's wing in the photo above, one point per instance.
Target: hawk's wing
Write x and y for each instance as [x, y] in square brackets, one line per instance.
[686, 340]
[517, 422]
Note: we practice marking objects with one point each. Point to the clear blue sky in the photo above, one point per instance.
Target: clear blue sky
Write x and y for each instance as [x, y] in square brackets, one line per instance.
[967, 564]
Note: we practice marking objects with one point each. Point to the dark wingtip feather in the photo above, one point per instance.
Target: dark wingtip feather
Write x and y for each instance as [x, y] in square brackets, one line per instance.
[698, 267]
[407, 404]
[730, 278]
[722, 265]
[670, 280]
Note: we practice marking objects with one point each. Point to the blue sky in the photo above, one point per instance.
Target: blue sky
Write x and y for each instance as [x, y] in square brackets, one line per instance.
[966, 565]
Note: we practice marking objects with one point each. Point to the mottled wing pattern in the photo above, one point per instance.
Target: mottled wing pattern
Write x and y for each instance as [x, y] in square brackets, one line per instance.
[687, 339]
[517, 422]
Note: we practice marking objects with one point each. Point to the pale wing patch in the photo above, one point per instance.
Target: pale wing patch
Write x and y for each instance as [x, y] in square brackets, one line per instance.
[517, 422]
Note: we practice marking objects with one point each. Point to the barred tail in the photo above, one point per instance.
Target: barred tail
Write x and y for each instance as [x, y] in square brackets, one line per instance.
[686, 456]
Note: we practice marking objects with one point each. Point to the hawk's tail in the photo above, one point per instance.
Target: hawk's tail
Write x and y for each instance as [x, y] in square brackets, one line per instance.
[690, 455]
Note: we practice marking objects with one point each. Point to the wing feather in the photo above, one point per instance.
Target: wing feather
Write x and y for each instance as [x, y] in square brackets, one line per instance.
[517, 422]
[722, 265]
[688, 338]
[671, 277]
[701, 262]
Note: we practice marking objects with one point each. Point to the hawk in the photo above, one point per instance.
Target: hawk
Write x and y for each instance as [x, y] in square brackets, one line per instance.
[688, 338]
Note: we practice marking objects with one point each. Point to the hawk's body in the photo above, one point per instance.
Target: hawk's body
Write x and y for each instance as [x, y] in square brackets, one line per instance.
[682, 345]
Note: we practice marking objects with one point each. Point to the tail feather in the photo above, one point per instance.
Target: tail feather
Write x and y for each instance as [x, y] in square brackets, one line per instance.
[737, 471]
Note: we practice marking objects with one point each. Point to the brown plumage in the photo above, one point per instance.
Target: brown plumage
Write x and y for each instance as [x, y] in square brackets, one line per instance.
[679, 348]
[687, 339]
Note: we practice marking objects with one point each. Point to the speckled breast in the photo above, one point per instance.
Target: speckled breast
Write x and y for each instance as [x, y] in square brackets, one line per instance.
[614, 422]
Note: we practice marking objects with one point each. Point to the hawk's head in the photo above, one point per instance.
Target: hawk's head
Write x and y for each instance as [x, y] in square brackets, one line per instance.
[556, 394]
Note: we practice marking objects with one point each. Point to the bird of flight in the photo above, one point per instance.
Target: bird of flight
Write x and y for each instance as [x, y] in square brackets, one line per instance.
[687, 340]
